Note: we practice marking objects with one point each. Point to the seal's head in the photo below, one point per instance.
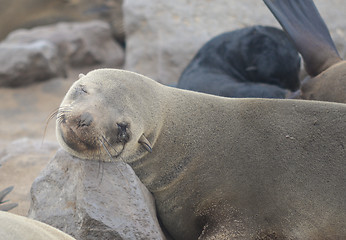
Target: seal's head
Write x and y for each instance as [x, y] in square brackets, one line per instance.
[101, 115]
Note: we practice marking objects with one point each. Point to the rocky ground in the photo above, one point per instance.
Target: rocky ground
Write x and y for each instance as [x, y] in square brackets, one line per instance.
[24, 148]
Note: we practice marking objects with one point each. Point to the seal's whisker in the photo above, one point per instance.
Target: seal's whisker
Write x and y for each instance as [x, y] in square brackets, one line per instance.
[57, 113]
[106, 149]
[60, 118]
[121, 150]
[104, 146]
[105, 140]
[50, 117]
[117, 153]
[61, 114]
[63, 110]
[100, 167]
[53, 114]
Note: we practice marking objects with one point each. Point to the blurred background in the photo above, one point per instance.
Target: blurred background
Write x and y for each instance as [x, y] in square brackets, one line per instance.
[45, 44]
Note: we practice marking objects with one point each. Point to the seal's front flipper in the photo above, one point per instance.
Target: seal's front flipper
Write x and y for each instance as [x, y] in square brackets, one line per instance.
[145, 143]
[4, 192]
[8, 206]
[303, 23]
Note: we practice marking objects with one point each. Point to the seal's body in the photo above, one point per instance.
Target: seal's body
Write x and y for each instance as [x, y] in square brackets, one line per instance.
[303, 23]
[14, 227]
[219, 168]
[256, 61]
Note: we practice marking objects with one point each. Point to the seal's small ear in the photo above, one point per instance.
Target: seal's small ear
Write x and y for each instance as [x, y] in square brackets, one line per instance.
[145, 143]
[81, 75]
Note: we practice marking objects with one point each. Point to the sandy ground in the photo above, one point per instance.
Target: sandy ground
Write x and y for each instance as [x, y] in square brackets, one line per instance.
[24, 149]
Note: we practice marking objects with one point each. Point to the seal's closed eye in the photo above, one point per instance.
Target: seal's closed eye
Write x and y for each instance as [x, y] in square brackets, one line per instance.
[78, 91]
[83, 88]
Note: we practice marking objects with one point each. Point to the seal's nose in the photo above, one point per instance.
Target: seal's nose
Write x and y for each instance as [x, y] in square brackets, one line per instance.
[85, 120]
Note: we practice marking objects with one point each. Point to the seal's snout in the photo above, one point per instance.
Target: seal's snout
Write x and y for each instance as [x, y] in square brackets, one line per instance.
[85, 119]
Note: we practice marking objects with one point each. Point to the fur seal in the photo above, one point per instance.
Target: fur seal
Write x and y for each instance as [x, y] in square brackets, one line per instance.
[256, 61]
[14, 227]
[303, 23]
[219, 168]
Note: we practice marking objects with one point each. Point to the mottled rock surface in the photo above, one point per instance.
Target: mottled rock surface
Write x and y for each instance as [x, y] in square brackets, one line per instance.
[33, 13]
[79, 43]
[92, 200]
[21, 161]
[163, 36]
[22, 64]
[25, 146]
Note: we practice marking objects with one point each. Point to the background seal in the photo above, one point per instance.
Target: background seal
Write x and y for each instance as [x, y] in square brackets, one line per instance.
[303, 23]
[257, 61]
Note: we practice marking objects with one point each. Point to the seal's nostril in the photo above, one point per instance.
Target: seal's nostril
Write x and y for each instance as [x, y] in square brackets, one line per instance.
[85, 119]
[123, 134]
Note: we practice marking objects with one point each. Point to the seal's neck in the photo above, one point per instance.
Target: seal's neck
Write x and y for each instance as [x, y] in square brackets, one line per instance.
[185, 118]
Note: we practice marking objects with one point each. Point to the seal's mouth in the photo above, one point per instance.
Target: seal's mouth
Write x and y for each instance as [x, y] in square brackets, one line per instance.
[85, 136]
[123, 136]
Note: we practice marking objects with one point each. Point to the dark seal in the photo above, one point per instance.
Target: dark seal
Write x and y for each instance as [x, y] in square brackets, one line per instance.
[250, 62]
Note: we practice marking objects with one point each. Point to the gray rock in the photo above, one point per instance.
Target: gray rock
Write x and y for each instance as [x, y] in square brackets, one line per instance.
[33, 13]
[163, 36]
[22, 64]
[28, 147]
[92, 200]
[21, 161]
[81, 44]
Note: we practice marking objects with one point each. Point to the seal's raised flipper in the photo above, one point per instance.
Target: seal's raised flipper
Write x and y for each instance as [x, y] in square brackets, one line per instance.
[4, 192]
[8, 206]
[303, 23]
